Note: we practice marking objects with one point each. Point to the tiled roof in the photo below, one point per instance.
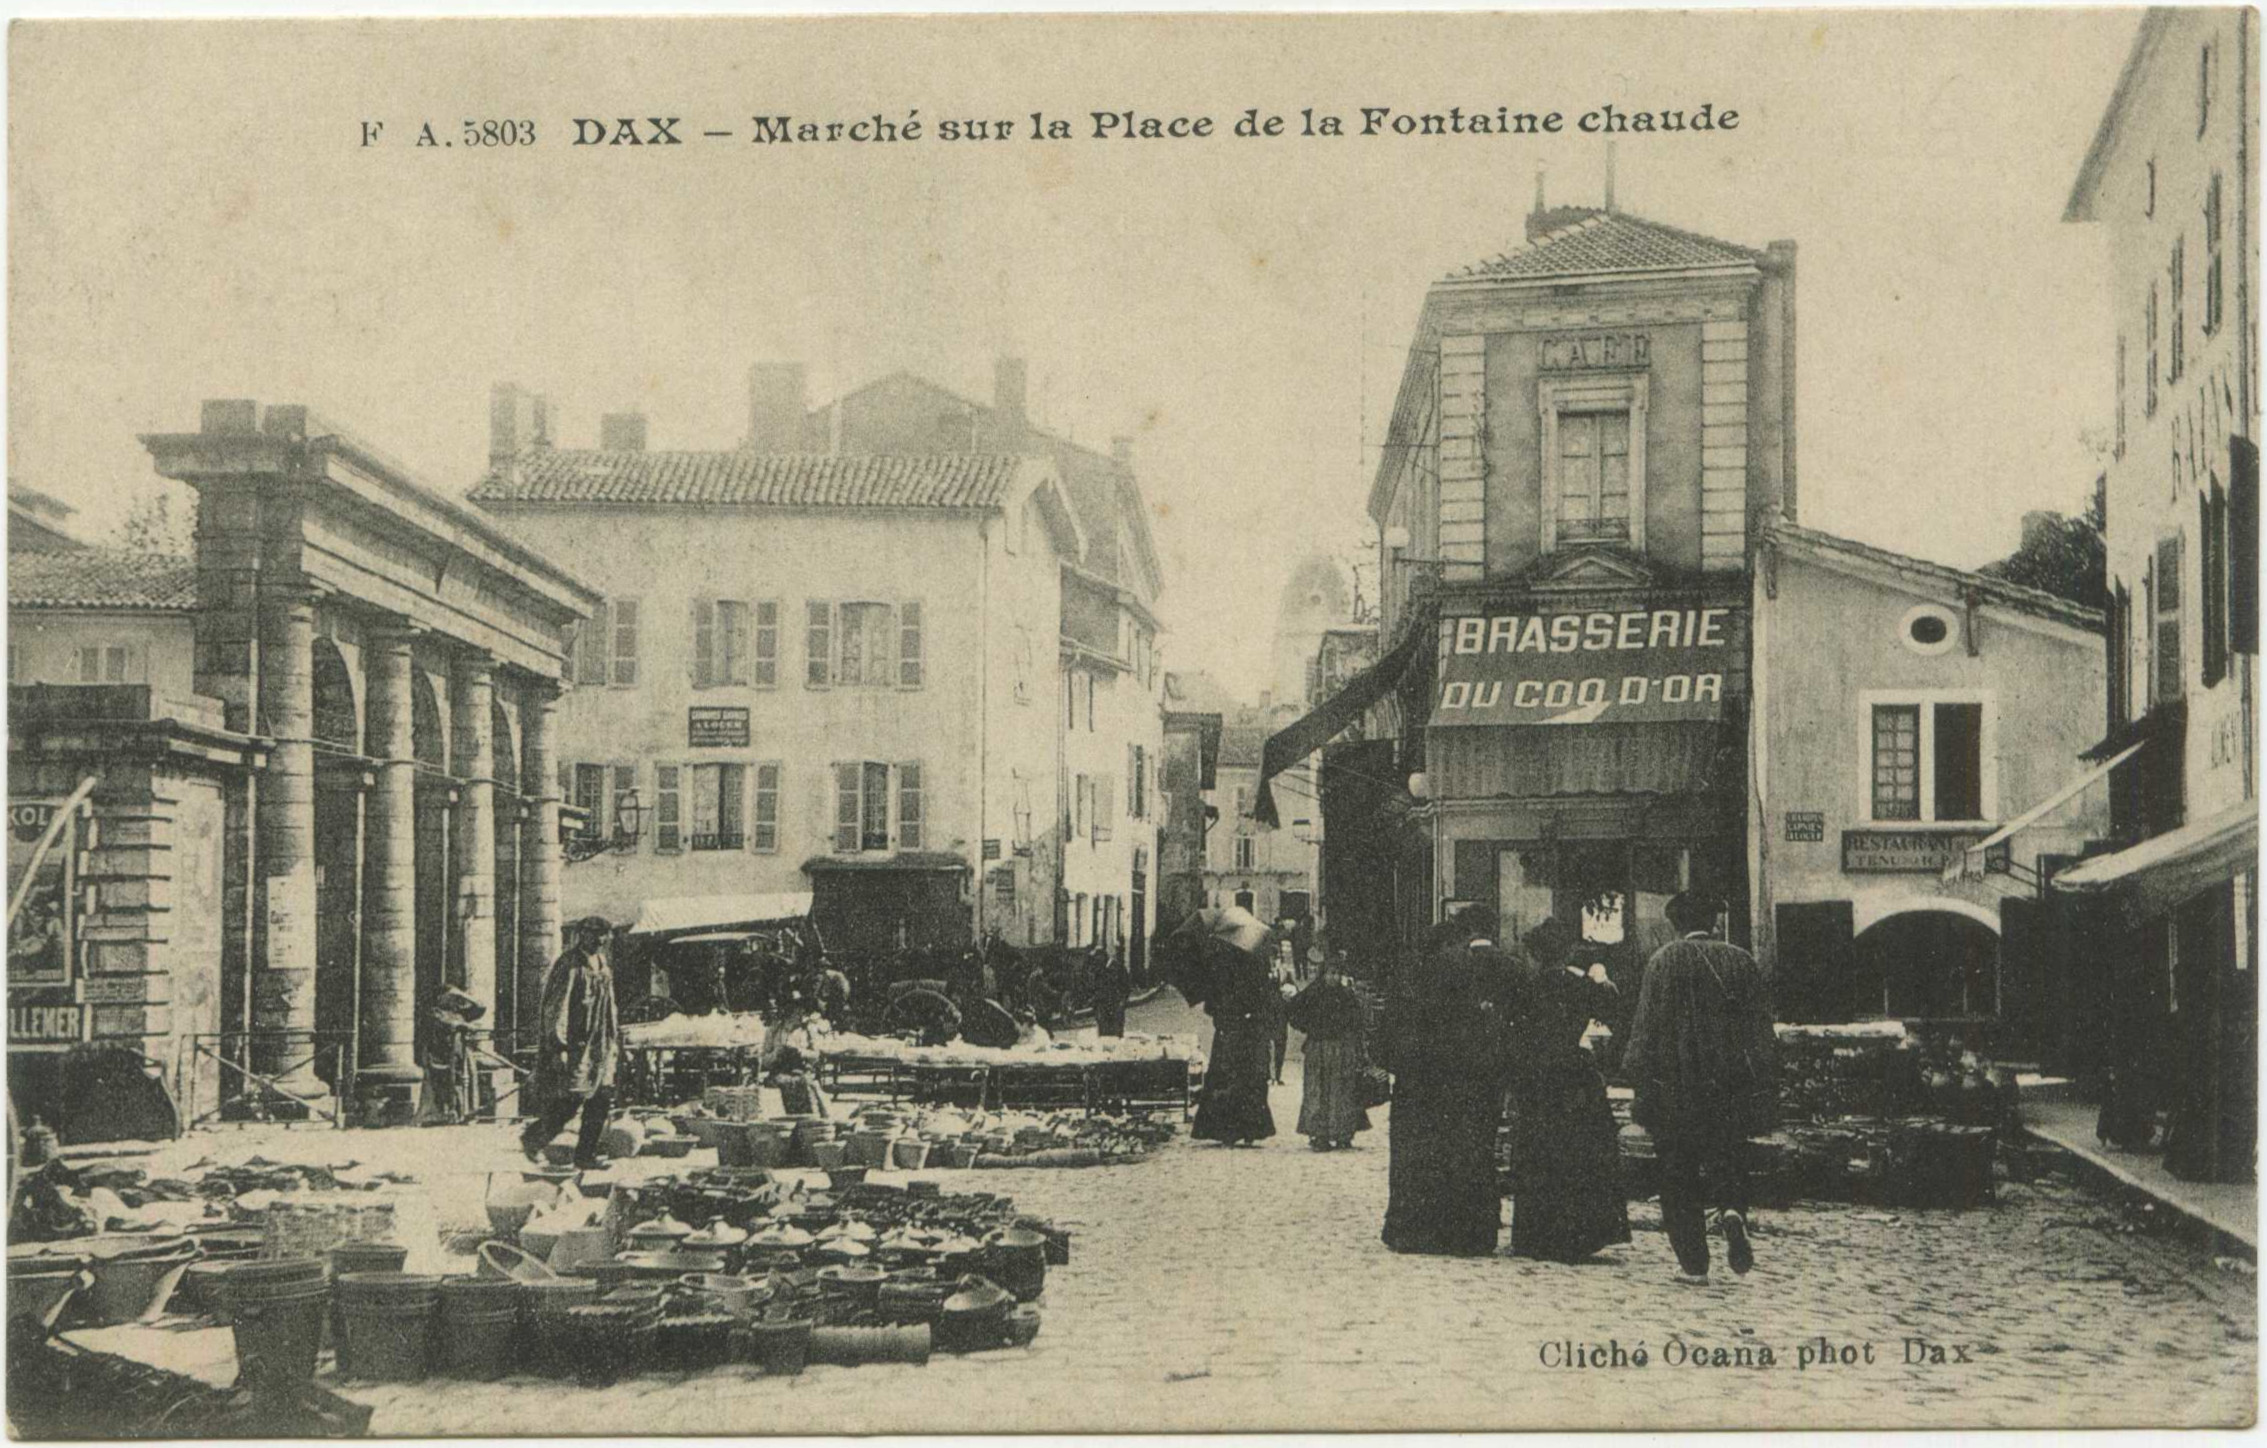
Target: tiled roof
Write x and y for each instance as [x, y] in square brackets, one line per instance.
[101, 578]
[752, 479]
[2016, 596]
[1610, 241]
[1242, 741]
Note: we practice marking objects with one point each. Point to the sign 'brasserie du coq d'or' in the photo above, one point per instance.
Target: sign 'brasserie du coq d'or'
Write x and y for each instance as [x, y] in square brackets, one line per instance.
[1623, 666]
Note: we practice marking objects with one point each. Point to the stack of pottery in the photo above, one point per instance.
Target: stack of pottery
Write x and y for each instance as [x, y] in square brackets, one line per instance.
[276, 1311]
[543, 1312]
[134, 1276]
[604, 1340]
[743, 1297]
[780, 1343]
[689, 1340]
[477, 1318]
[387, 1323]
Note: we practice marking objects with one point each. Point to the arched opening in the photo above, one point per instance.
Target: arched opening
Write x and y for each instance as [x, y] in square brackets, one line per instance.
[1926, 964]
[338, 849]
[507, 770]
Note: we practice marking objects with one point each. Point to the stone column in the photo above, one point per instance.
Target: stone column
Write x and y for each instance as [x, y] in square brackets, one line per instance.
[539, 843]
[283, 987]
[471, 695]
[389, 897]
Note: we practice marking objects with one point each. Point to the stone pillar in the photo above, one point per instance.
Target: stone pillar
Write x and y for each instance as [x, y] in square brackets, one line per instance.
[470, 697]
[539, 844]
[283, 986]
[389, 897]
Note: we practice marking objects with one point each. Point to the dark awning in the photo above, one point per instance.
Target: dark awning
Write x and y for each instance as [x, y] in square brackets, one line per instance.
[1507, 762]
[1327, 720]
[2160, 872]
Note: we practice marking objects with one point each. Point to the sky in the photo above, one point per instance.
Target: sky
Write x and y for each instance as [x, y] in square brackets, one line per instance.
[192, 215]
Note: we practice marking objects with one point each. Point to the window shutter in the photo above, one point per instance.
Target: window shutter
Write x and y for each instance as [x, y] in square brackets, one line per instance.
[1959, 762]
[765, 674]
[591, 647]
[763, 833]
[704, 642]
[2211, 522]
[2167, 637]
[846, 809]
[818, 644]
[626, 642]
[910, 807]
[667, 827]
[909, 653]
[2243, 546]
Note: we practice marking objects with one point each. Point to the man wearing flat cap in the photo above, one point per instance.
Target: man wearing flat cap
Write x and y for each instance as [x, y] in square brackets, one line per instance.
[580, 1047]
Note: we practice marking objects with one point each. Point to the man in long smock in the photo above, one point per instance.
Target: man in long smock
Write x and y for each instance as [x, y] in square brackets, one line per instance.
[581, 1046]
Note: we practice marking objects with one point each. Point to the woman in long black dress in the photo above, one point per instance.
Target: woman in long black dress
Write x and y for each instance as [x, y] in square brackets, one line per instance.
[1217, 961]
[1567, 1198]
[1445, 1049]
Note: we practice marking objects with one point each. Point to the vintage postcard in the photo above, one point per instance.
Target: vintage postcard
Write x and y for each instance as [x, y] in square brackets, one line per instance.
[1122, 723]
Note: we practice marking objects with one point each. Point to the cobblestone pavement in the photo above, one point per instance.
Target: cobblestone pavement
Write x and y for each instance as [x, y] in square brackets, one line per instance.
[1213, 1288]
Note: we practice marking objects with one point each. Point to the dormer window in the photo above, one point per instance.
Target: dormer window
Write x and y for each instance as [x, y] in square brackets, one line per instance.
[1593, 457]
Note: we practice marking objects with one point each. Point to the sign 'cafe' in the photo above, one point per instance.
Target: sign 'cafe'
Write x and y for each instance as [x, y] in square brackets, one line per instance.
[1631, 666]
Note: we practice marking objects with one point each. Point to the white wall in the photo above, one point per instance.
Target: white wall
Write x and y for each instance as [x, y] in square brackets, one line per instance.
[44, 645]
[962, 724]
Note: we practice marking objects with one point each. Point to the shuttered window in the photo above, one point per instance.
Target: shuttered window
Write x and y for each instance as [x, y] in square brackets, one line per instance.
[910, 819]
[2166, 638]
[763, 834]
[667, 825]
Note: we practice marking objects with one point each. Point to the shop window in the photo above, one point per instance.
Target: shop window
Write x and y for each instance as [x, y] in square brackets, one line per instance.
[719, 806]
[667, 822]
[1928, 761]
[2166, 659]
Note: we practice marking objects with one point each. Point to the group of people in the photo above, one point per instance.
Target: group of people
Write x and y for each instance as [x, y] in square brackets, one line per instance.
[1478, 1034]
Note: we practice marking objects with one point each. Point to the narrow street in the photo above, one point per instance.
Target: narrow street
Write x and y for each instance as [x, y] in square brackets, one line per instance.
[1246, 1289]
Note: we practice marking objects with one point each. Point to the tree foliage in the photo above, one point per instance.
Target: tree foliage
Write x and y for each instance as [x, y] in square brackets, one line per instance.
[154, 525]
[2062, 556]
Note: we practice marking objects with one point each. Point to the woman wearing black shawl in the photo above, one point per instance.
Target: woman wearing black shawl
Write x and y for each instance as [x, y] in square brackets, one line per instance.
[1443, 1034]
[1218, 963]
[1566, 1188]
[1330, 1016]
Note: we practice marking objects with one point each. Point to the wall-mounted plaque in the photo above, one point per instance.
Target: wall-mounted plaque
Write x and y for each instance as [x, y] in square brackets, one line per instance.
[716, 726]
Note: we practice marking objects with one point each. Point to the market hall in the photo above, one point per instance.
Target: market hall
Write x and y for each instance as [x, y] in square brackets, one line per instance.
[361, 793]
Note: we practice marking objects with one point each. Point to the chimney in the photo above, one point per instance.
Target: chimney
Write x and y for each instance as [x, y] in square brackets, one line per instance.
[622, 432]
[230, 414]
[1540, 208]
[1609, 175]
[1121, 451]
[776, 407]
[1010, 418]
[513, 425]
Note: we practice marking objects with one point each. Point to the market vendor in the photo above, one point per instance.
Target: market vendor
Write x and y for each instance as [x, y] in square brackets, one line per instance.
[449, 1096]
[926, 1012]
[833, 992]
[1029, 1034]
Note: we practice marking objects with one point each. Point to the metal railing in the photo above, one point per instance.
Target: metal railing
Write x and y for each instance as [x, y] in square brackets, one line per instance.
[249, 1095]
